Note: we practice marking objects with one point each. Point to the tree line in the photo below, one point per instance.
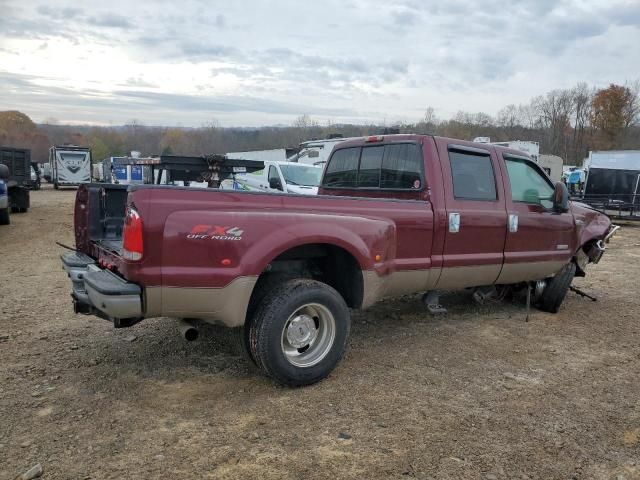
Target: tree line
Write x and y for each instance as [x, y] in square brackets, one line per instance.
[566, 122]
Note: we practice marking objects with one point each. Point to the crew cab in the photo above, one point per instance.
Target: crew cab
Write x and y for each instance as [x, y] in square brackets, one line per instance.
[395, 215]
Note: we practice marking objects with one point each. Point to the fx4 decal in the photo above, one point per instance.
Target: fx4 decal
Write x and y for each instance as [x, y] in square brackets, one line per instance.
[215, 232]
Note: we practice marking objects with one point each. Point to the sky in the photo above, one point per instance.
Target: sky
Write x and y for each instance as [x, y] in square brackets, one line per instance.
[255, 63]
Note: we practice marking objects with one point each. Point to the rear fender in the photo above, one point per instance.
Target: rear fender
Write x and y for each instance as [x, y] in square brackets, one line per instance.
[196, 249]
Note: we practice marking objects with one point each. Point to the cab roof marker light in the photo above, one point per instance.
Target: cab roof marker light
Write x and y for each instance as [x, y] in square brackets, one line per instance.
[374, 138]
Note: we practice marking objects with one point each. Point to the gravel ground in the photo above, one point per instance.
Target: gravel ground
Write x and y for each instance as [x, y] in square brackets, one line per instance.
[477, 394]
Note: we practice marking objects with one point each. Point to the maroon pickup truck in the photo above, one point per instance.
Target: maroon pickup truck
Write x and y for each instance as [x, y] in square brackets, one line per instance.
[395, 214]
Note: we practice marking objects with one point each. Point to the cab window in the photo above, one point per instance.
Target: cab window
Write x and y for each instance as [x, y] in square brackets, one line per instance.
[472, 175]
[528, 184]
[391, 167]
[342, 170]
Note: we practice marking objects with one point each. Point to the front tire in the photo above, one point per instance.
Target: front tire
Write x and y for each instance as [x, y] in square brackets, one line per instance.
[299, 332]
[556, 289]
[5, 218]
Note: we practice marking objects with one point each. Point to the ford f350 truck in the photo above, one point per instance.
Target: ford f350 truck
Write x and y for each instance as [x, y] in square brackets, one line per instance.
[395, 215]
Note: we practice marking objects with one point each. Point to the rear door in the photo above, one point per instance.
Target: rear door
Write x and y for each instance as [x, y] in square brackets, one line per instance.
[476, 215]
[539, 240]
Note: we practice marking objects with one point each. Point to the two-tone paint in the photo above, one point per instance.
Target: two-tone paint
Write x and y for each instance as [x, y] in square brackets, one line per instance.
[401, 240]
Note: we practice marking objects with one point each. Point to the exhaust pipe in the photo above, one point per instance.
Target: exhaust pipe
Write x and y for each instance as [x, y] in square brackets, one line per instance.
[188, 330]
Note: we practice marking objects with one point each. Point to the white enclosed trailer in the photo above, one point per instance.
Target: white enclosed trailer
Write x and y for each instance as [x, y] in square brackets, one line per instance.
[70, 165]
[273, 155]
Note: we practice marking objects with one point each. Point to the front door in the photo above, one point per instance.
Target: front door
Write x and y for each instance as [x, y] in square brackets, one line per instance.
[476, 216]
[539, 240]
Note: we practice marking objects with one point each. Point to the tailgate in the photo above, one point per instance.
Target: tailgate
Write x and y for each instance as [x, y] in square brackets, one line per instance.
[99, 217]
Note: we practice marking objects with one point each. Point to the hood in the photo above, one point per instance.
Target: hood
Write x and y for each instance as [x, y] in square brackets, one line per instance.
[302, 190]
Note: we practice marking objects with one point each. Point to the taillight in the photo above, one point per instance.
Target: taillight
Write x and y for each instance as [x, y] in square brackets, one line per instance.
[132, 245]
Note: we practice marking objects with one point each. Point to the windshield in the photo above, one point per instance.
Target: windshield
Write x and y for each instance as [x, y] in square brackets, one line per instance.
[305, 175]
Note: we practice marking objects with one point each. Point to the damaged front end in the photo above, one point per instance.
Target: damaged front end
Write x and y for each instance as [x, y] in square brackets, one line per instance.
[594, 231]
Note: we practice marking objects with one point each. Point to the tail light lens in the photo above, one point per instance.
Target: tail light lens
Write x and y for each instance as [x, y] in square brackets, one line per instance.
[132, 245]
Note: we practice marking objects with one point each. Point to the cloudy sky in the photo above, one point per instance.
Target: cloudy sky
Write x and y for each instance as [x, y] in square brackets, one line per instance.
[250, 63]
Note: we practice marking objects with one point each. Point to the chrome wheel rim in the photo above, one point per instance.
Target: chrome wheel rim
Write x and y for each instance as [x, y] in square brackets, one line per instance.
[308, 335]
[539, 289]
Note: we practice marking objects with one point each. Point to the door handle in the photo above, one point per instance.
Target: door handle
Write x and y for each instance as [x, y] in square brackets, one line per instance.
[454, 222]
[513, 222]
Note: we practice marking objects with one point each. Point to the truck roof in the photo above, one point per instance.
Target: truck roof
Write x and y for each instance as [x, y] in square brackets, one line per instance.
[403, 137]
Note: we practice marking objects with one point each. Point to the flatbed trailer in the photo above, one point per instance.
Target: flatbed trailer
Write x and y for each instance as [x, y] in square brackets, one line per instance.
[615, 206]
[213, 169]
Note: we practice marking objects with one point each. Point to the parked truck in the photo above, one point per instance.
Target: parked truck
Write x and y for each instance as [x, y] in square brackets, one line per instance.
[278, 177]
[18, 182]
[70, 165]
[395, 215]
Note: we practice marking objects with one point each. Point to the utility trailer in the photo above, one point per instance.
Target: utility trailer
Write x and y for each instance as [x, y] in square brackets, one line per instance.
[613, 183]
[209, 169]
[70, 165]
[18, 160]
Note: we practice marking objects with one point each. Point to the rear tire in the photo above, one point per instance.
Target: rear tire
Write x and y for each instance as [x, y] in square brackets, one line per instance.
[556, 289]
[5, 218]
[299, 332]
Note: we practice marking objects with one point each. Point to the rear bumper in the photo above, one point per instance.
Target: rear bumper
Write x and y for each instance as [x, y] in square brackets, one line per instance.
[97, 291]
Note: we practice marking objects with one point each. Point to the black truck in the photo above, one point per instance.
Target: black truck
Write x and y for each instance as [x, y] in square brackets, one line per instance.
[18, 161]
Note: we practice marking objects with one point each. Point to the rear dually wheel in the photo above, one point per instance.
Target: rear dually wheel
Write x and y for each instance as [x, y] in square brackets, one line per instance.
[299, 332]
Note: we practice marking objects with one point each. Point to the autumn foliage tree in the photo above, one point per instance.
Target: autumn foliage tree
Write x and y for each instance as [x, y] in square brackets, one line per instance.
[614, 110]
[18, 130]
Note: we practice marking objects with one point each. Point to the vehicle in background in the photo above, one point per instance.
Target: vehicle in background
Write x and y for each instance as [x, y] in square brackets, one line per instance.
[613, 183]
[45, 168]
[552, 165]
[5, 218]
[395, 215]
[122, 170]
[70, 165]
[279, 177]
[317, 152]
[273, 155]
[530, 148]
[18, 161]
[35, 177]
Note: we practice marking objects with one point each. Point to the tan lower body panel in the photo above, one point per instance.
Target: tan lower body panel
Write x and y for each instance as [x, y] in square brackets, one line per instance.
[224, 305]
[396, 283]
[525, 272]
[454, 278]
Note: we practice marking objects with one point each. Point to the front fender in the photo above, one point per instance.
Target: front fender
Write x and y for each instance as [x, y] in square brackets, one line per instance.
[590, 224]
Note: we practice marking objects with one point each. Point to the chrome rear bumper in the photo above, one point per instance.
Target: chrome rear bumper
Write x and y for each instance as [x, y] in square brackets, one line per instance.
[99, 292]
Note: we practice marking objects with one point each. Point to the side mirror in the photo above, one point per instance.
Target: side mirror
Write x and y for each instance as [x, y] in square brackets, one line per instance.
[4, 172]
[275, 183]
[560, 198]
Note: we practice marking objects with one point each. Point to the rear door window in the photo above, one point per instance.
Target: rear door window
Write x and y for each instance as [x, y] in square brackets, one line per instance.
[394, 166]
[370, 163]
[473, 177]
[342, 170]
[401, 167]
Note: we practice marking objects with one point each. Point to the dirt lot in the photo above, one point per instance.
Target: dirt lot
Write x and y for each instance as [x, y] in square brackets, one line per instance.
[475, 394]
